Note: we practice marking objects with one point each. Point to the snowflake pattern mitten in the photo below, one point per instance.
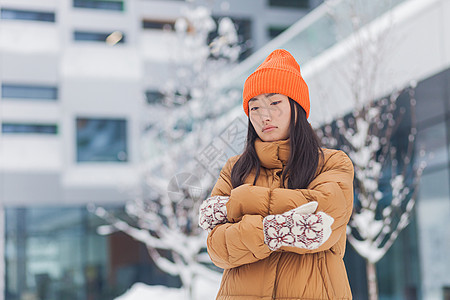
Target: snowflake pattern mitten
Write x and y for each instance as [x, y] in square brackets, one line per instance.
[299, 227]
[212, 212]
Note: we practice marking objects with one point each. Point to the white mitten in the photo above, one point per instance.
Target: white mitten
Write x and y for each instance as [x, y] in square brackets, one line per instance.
[299, 227]
[213, 211]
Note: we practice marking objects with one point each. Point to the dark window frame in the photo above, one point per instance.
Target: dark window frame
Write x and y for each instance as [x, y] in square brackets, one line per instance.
[296, 4]
[89, 36]
[27, 15]
[154, 96]
[150, 24]
[273, 31]
[24, 91]
[28, 128]
[100, 4]
[115, 137]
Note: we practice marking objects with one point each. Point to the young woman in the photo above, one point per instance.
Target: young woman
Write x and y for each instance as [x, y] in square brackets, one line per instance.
[278, 213]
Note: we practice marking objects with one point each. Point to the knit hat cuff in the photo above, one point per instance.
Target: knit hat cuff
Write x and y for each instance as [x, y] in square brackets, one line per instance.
[276, 80]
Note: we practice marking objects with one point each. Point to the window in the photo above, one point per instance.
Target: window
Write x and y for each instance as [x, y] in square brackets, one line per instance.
[27, 15]
[433, 141]
[98, 36]
[11, 128]
[304, 4]
[101, 140]
[20, 91]
[435, 91]
[274, 31]
[55, 252]
[446, 292]
[154, 97]
[158, 24]
[99, 4]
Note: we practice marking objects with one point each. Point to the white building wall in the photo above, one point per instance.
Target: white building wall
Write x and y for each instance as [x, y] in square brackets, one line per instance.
[93, 80]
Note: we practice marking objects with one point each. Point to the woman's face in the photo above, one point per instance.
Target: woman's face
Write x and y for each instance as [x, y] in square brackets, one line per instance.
[270, 115]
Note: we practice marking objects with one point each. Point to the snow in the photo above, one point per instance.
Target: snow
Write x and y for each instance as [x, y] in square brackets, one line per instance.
[203, 290]
[140, 291]
[366, 249]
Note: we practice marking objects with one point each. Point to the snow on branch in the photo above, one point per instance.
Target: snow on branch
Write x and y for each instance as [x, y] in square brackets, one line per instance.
[187, 124]
[385, 174]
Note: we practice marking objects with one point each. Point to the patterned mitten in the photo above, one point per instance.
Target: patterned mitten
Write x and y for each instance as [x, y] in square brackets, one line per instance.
[213, 211]
[299, 227]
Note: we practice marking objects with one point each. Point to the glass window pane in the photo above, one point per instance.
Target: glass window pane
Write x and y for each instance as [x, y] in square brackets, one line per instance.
[90, 36]
[18, 91]
[274, 31]
[430, 95]
[101, 140]
[433, 141]
[290, 3]
[158, 24]
[55, 253]
[45, 257]
[154, 97]
[433, 209]
[94, 36]
[27, 15]
[8, 128]
[99, 4]
[398, 271]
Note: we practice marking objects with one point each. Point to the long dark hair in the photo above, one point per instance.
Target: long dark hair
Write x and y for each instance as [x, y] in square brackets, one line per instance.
[303, 159]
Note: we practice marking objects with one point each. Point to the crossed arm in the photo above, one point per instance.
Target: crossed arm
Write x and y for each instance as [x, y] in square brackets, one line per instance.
[241, 240]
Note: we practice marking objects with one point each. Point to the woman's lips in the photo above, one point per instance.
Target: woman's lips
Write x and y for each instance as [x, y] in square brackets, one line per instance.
[269, 128]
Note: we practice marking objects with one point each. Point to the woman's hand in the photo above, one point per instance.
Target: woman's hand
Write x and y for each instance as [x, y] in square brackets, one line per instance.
[213, 211]
[299, 227]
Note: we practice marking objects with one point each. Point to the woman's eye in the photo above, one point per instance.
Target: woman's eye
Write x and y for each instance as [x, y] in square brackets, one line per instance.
[275, 102]
[254, 108]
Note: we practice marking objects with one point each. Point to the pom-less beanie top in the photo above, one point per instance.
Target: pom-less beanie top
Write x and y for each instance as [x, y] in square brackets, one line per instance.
[280, 74]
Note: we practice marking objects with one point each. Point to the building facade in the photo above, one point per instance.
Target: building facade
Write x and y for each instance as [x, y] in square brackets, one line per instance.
[414, 37]
[78, 79]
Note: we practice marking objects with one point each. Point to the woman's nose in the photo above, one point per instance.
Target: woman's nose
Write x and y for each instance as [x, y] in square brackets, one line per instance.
[265, 114]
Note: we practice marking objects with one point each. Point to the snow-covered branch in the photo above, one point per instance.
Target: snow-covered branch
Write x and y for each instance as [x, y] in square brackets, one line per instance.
[385, 177]
[191, 117]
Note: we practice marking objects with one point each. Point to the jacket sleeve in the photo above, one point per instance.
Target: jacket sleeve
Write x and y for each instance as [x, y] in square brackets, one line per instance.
[234, 244]
[332, 189]
[231, 245]
[223, 185]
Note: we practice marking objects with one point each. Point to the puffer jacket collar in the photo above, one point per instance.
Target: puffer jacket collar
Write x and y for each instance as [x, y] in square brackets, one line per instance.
[273, 155]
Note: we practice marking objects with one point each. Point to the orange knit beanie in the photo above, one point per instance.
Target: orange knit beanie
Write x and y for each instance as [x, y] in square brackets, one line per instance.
[280, 74]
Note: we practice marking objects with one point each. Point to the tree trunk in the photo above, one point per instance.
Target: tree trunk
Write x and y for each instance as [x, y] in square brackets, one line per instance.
[191, 287]
[187, 282]
[372, 283]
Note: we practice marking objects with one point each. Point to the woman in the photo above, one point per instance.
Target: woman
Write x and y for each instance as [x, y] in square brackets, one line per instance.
[278, 213]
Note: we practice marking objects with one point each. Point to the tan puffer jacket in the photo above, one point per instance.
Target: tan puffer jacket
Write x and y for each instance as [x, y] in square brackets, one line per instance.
[251, 269]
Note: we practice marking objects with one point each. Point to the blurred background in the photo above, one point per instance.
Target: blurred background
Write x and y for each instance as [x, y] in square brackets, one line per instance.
[117, 116]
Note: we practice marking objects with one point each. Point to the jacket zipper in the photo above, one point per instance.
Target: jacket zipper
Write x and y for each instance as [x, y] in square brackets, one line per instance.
[275, 284]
